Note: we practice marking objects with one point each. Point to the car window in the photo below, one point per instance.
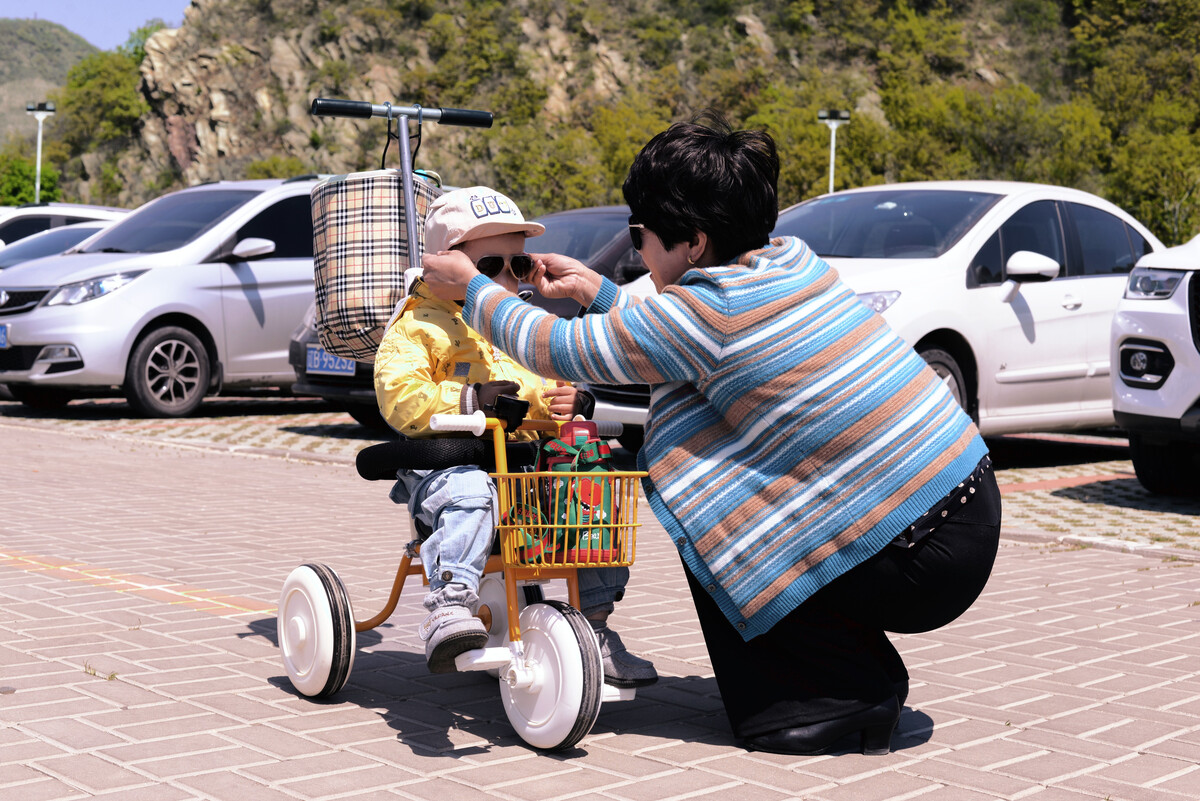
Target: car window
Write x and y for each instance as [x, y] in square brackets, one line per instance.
[885, 224]
[1036, 228]
[46, 244]
[22, 227]
[1140, 246]
[170, 222]
[987, 266]
[288, 224]
[1103, 241]
[580, 236]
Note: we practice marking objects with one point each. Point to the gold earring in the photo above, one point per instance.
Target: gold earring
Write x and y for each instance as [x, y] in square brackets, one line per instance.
[690, 260]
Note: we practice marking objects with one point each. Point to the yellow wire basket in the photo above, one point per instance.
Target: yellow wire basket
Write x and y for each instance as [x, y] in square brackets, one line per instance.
[567, 519]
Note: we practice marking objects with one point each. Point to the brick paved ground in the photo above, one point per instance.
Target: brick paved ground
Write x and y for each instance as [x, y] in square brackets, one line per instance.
[138, 578]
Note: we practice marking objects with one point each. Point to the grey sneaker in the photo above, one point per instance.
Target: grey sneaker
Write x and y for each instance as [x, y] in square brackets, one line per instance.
[449, 631]
[621, 668]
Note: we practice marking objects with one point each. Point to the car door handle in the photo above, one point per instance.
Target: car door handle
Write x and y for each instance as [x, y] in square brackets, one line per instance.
[1071, 302]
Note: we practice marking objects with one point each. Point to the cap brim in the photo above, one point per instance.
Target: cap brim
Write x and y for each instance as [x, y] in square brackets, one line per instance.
[497, 228]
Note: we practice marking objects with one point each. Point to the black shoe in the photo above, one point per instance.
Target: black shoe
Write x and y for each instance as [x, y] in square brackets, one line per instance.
[875, 726]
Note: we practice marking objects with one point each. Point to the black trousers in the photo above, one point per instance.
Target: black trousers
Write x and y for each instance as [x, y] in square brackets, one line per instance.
[830, 657]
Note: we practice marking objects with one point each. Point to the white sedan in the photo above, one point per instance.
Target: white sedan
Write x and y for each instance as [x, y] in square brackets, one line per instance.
[1007, 289]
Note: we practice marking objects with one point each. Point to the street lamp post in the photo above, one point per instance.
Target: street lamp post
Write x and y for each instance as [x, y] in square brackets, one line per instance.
[40, 112]
[833, 118]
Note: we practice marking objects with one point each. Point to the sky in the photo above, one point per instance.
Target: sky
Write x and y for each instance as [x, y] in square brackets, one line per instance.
[104, 23]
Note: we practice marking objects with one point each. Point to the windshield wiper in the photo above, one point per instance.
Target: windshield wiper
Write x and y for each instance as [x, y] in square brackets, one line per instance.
[110, 250]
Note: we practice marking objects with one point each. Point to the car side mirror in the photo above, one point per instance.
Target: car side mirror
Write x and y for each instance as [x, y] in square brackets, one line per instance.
[1027, 264]
[1024, 265]
[252, 247]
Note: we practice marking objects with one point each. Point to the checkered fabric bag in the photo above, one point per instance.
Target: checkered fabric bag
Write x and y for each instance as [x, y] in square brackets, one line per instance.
[360, 249]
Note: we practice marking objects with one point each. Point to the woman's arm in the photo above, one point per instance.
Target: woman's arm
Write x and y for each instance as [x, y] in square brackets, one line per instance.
[670, 337]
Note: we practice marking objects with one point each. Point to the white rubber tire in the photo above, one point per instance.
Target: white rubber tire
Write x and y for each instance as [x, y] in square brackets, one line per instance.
[563, 705]
[316, 630]
[492, 593]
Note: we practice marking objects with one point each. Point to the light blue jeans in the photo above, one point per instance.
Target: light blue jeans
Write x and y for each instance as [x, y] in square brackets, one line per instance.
[459, 505]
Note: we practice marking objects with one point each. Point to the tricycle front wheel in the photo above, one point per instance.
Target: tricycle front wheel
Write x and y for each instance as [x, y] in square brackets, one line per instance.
[561, 706]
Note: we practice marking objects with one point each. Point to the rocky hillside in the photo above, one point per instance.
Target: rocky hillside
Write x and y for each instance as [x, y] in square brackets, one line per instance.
[231, 87]
[34, 58]
[1097, 94]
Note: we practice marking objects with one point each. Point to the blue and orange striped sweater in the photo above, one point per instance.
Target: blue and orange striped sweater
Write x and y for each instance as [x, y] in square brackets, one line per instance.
[792, 434]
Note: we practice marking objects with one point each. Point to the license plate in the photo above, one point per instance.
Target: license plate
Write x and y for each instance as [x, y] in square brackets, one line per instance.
[4, 337]
[322, 362]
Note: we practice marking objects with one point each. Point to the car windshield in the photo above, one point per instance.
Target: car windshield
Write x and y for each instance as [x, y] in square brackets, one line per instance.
[56, 240]
[169, 222]
[885, 224]
[580, 236]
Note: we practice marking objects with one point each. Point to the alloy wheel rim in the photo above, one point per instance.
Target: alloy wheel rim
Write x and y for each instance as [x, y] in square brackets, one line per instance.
[173, 372]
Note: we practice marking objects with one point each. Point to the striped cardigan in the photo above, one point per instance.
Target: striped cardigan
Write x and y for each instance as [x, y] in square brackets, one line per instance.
[792, 434]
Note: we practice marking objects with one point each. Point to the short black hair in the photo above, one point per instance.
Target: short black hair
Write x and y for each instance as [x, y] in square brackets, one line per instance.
[704, 176]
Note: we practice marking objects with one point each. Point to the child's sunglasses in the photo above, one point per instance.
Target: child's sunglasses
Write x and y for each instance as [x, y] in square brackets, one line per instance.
[492, 266]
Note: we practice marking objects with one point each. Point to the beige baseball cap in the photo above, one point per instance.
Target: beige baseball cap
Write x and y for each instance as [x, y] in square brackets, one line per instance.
[473, 213]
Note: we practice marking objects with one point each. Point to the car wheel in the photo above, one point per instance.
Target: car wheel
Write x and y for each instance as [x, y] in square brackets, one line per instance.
[368, 416]
[41, 398]
[168, 373]
[947, 369]
[1164, 468]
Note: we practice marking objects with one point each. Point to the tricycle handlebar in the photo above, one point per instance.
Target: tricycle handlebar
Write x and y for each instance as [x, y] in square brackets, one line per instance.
[477, 422]
[361, 109]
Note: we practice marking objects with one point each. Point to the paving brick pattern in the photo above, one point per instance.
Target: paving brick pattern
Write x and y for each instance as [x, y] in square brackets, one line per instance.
[1097, 502]
[138, 579]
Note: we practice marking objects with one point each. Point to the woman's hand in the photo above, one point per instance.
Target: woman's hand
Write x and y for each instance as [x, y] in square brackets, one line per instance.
[447, 273]
[557, 276]
[560, 400]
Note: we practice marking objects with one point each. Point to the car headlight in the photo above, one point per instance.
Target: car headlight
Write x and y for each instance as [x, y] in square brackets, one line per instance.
[879, 301]
[1148, 283]
[82, 291]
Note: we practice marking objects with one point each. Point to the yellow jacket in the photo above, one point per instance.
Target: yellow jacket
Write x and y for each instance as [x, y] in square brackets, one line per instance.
[426, 358]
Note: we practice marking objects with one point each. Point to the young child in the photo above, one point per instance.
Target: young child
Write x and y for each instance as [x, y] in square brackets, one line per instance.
[431, 362]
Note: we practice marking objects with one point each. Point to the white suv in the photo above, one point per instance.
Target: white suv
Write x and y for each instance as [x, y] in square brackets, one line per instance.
[1156, 383]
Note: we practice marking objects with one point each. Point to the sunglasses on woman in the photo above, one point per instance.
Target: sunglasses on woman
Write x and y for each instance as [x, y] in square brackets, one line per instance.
[635, 233]
[492, 266]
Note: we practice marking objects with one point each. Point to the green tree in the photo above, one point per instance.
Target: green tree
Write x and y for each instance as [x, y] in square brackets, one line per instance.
[1156, 177]
[100, 102]
[548, 171]
[620, 131]
[135, 45]
[276, 167]
[17, 178]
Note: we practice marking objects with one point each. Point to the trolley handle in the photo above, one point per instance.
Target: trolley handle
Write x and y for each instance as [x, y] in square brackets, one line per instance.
[361, 109]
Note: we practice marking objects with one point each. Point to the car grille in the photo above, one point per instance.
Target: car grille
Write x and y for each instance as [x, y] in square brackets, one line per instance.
[20, 301]
[19, 357]
[1194, 307]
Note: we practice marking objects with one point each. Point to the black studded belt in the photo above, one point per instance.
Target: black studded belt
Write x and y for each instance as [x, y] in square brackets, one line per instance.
[928, 523]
